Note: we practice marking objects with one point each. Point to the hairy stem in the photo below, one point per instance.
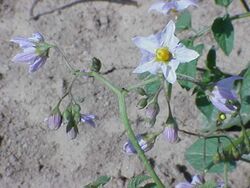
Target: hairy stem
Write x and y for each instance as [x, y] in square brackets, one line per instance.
[132, 138]
[239, 16]
[121, 93]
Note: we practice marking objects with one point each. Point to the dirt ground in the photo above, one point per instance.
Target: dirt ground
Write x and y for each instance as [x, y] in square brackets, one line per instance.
[33, 156]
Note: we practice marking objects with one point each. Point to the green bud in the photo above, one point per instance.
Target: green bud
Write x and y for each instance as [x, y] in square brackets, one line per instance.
[76, 108]
[247, 143]
[67, 115]
[142, 103]
[236, 153]
[96, 65]
[141, 91]
[216, 158]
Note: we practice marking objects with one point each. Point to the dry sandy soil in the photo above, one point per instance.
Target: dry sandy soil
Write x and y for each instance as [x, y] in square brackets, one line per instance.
[33, 156]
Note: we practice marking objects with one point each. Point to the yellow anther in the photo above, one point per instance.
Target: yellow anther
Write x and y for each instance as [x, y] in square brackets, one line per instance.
[163, 55]
[222, 116]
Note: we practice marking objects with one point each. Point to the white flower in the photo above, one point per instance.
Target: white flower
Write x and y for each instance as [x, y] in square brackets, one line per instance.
[163, 52]
[165, 7]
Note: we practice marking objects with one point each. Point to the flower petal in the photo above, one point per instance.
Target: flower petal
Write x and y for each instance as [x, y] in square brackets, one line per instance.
[183, 54]
[183, 4]
[168, 38]
[23, 42]
[221, 104]
[89, 119]
[152, 67]
[228, 82]
[146, 56]
[37, 37]
[169, 73]
[157, 6]
[184, 185]
[227, 94]
[150, 43]
[38, 63]
[28, 54]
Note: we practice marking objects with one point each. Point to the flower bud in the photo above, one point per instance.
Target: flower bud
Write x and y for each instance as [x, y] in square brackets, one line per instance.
[236, 153]
[72, 133]
[146, 141]
[55, 119]
[141, 91]
[151, 112]
[142, 103]
[198, 180]
[171, 130]
[96, 65]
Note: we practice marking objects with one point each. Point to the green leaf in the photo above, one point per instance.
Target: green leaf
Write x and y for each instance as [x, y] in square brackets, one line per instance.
[184, 21]
[223, 31]
[189, 68]
[211, 59]
[152, 87]
[245, 97]
[101, 181]
[208, 184]
[150, 185]
[223, 2]
[195, 154]
[137, 180]
[206, 108]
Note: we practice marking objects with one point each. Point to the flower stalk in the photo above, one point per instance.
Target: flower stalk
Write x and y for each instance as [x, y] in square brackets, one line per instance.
[121, 93]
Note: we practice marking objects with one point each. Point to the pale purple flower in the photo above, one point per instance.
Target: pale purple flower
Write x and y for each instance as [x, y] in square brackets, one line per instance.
[196, 180]
[176, 5]
[89, 119]
[171, 130]
[35, 51]
[146, 141]
[171, 134]
[163, 52]
[54, 121]
[223, 93]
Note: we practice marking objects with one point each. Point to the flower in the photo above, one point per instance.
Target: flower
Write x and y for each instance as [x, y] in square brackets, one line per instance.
[72, 132]
[223, 93]
[151, 112]
[165, 7]
[196, 180]
[163, 52]
[171, 129]
[54, 121]
[89, 119]
[146, 141]
[35, 51]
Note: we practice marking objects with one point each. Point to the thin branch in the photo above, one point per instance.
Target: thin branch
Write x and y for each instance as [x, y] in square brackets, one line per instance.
[37, 16]
[244, 3]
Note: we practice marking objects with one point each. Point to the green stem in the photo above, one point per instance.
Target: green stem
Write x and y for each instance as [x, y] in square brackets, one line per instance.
[189, 79]
[132, 138]
[226, 175]
[116, 90]
[239, 16]
[133, 87]
[245, 5]
[201, 32]
[121, 93]
[70, 67]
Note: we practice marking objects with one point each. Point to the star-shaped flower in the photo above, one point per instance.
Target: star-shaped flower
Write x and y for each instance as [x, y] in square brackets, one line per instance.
[165, 7]
[163, 51]
[35, 51]
[223, 93]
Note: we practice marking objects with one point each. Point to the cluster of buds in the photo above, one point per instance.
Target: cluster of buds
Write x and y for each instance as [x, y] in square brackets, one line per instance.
[71, 117]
